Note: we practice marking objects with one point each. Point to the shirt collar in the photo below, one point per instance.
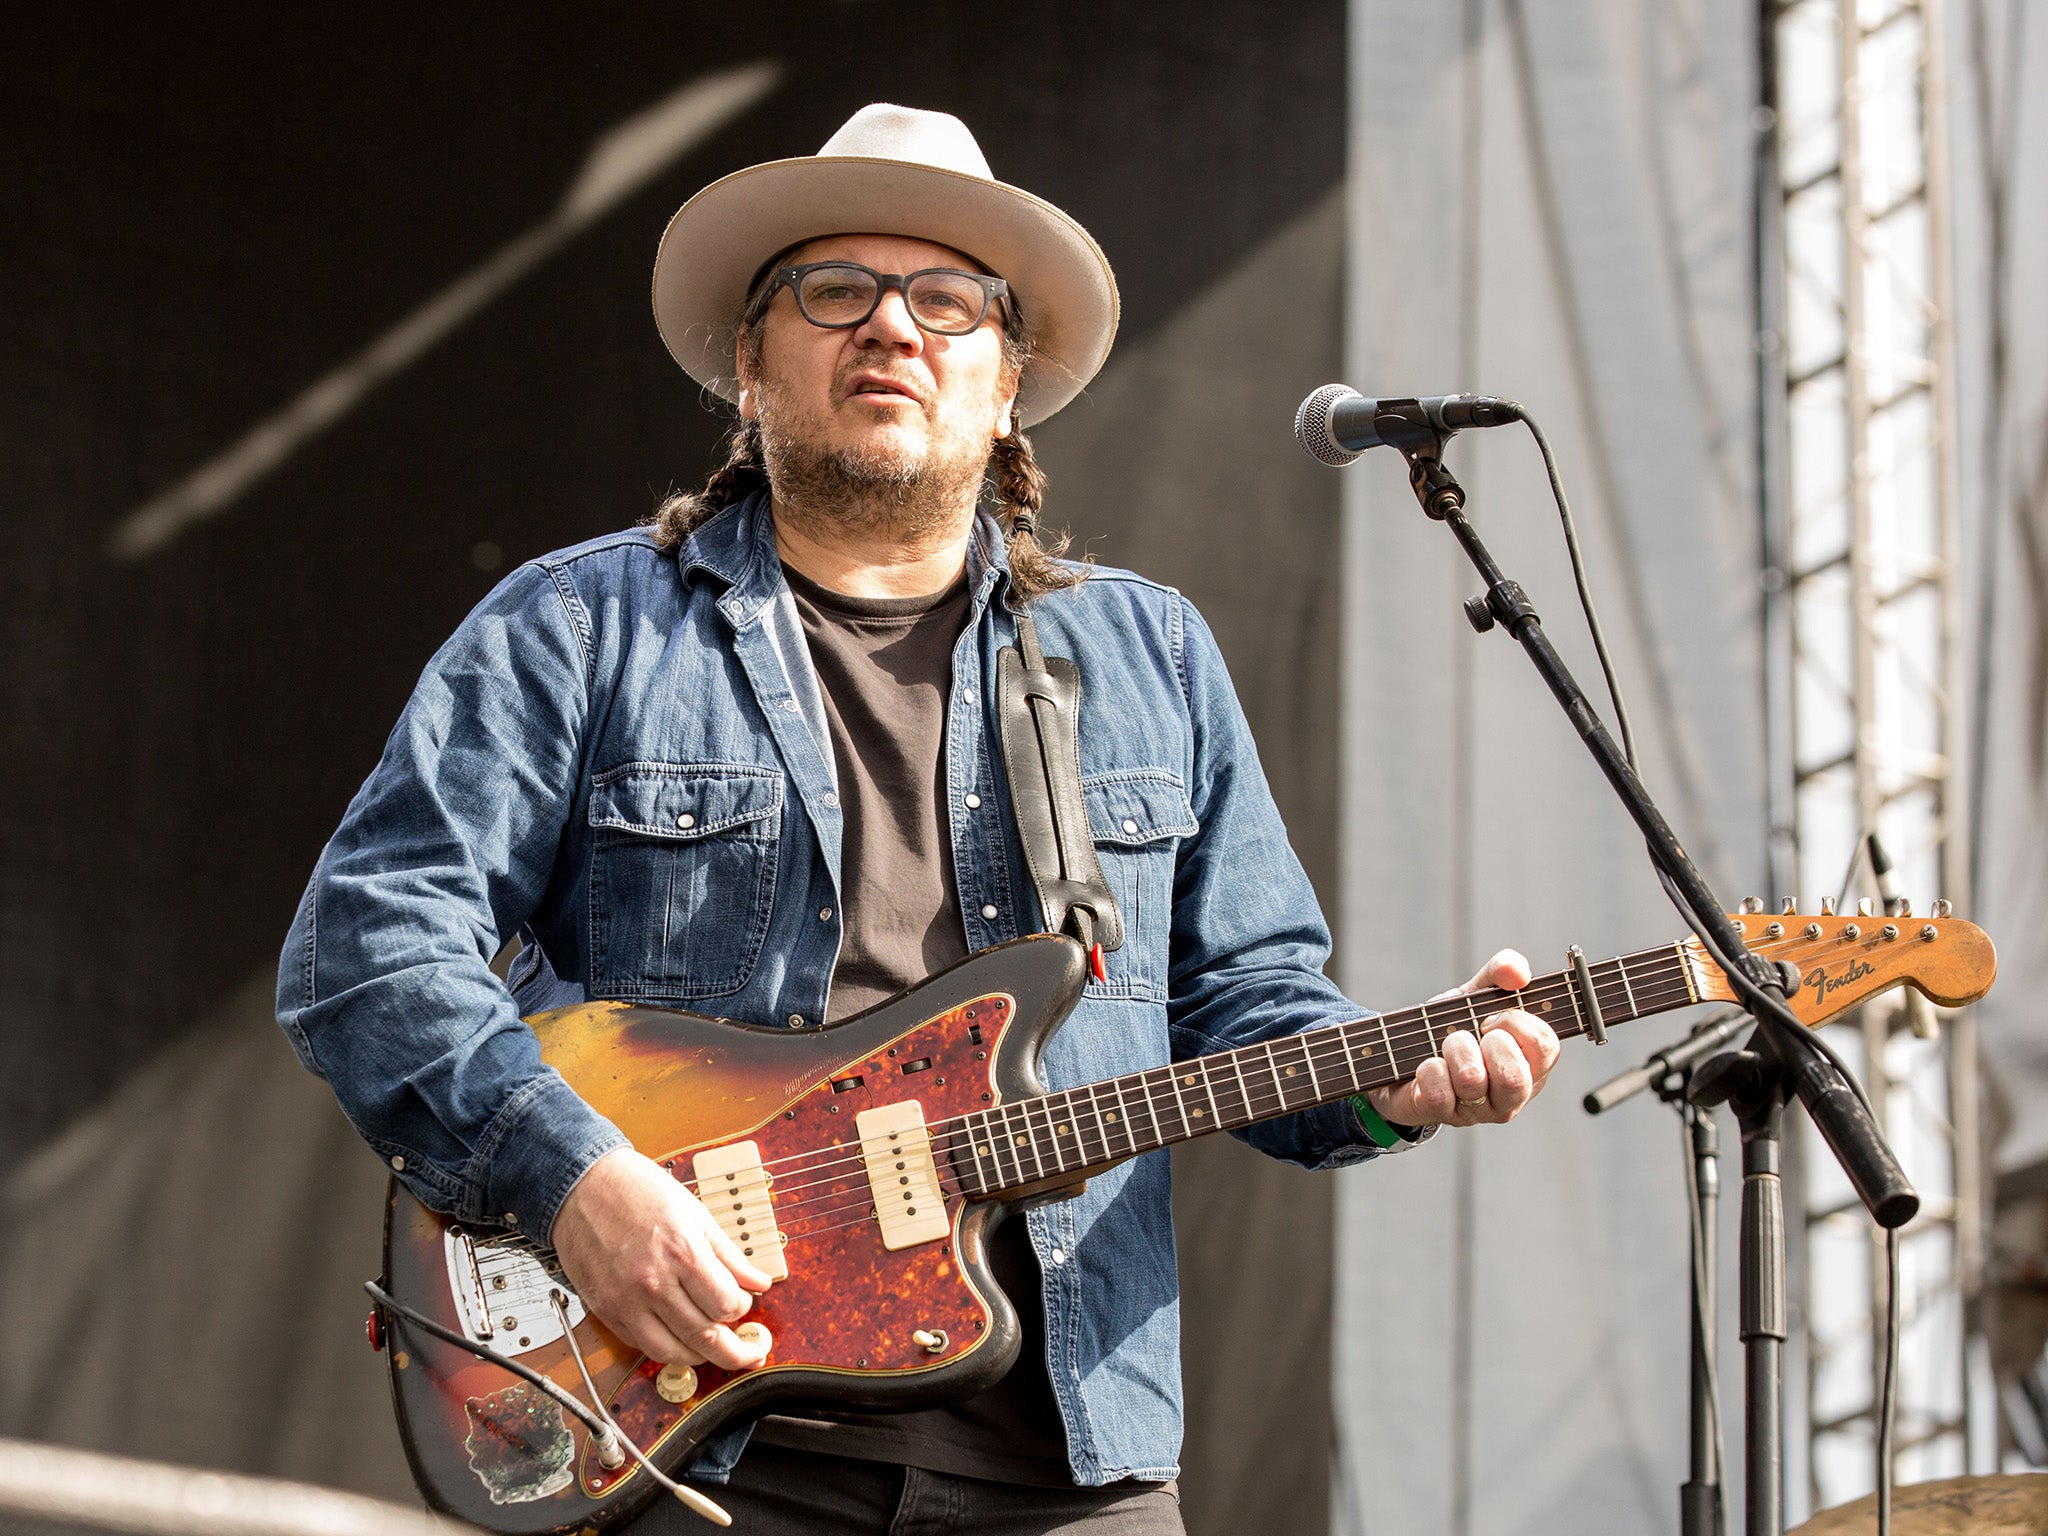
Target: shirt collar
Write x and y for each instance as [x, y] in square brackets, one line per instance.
[737, 546]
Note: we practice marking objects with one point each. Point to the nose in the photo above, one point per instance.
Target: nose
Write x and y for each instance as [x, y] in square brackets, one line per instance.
[891, 326]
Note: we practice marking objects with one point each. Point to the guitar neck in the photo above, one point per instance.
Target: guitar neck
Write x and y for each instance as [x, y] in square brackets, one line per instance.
[1072, 1134]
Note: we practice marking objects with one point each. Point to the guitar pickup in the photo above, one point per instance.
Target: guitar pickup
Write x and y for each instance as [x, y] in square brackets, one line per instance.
[905, 1181]
[734, 1188]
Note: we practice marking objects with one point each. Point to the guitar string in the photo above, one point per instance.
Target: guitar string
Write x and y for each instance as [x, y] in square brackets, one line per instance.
[796, 1229]
[946, 1135]
[1265, 1101]
[1328, 1053]
[1320, 1055]
[1405, 1031]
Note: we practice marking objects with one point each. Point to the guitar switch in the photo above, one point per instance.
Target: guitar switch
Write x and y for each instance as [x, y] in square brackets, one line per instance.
[931, 1340]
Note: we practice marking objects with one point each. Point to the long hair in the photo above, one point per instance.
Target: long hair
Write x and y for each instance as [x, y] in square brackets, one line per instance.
[1014, 480]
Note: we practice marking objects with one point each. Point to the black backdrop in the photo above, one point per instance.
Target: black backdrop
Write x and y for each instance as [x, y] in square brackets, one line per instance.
[205, 213]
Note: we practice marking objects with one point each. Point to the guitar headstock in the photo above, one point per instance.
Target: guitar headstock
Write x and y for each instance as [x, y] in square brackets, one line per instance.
[1843, 961]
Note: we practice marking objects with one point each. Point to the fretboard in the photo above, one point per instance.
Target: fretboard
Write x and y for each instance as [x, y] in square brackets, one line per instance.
[1077, 1131]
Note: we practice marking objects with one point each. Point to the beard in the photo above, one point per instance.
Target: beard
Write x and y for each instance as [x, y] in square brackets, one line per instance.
[879, 489]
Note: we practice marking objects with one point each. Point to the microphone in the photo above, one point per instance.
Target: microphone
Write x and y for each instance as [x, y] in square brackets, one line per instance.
[1336, 423]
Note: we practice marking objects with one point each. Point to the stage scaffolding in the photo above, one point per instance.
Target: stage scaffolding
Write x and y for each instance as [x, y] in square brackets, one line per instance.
[1866, 712]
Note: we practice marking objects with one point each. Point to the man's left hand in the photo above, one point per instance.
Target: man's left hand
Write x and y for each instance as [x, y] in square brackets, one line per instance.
[1483, 1081]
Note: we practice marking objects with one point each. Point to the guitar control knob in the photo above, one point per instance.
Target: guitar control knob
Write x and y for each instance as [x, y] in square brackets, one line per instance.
[754, 1333]
[677, 1383]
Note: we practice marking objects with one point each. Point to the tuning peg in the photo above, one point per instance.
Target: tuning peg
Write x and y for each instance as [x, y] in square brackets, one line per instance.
[1865, 907]
[1751, 904]
[1827, 906]
[1942, 908]
[1901, 907]
[1789, 907]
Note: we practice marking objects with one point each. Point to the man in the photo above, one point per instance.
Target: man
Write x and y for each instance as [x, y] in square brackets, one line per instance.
[745, 762]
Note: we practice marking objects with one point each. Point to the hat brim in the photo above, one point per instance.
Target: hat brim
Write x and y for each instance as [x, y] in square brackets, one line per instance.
[718, 240]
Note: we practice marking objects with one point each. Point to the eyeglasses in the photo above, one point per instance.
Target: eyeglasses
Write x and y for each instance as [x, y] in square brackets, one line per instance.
[839, 295]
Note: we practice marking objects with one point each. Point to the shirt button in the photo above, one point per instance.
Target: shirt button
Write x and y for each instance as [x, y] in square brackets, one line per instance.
[796, 1021]
[974, 802]
[686, 821]
[989, 912]
[1059, 1255]
[831, 799]
[824, 914]
[1130, 826]
[790, 705]
[398, 1165]
[511, 1218]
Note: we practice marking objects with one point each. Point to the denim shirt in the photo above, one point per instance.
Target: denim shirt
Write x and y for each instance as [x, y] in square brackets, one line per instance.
[533, 786]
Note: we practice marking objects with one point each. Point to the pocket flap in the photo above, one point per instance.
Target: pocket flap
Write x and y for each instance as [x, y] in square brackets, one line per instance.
[683, 799]
[1136, 808]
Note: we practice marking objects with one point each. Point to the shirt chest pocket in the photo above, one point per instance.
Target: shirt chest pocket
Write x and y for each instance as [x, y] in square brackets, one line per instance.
[682, 877]
[1137, 819]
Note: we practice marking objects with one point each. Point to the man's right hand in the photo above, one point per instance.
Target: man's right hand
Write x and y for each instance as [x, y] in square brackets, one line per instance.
[649, 1260]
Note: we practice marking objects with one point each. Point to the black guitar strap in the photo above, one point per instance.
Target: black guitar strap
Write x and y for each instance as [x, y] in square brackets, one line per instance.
[1039, 705]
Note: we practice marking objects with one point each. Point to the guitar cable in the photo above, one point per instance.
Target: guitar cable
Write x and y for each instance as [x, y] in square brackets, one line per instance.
[603, 1429]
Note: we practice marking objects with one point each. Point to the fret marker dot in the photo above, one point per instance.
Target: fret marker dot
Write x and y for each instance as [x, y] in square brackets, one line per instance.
[1189, 1079]
[1063, 1130]
[1365, 1050]
[1198, 1114]
[1020, 1141]
[1110, 1117]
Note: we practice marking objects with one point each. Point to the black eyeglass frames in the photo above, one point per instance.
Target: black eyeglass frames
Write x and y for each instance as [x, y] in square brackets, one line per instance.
[839, 295]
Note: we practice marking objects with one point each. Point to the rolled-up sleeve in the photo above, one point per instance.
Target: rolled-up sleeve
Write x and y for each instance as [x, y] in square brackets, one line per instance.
[1249, 941]
[385, 987]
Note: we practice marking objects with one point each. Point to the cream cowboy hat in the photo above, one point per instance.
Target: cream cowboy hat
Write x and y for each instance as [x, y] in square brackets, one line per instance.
[889, 171]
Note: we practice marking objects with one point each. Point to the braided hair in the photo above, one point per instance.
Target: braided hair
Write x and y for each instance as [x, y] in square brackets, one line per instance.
[1013, 475]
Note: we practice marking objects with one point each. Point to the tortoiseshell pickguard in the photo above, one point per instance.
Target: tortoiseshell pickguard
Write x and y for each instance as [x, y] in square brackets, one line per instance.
[849, 1305]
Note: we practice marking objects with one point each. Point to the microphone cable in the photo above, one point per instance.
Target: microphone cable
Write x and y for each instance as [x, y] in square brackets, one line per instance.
[1780, 1022]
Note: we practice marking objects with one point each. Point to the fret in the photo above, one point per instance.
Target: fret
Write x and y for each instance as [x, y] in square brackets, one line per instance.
[1571, 990]
[1052, 1137]
[984, 1147]
[1350, 1056]
[1123, 1115]
[1629, 991]
[1273, 1066]
[1244, 1094]
[1472, 1009]
[1685, 970]
[1029, 1140]
[1180, 1103]
[1201, 1071]
[999, 1139]
[1159, 1136]
[1387, 1041]
[1308, 1060]
[1101, 1130]
[1429, 1029]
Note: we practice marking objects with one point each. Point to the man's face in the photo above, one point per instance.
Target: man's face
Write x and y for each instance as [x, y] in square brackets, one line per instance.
[884, 401]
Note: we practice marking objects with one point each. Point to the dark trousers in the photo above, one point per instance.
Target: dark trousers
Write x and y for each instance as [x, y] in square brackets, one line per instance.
[778, 1492]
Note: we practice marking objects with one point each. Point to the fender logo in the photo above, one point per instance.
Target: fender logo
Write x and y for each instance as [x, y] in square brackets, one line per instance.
[1823, 984]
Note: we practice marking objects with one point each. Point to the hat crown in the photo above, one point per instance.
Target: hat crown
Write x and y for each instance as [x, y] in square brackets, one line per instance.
[884, 131]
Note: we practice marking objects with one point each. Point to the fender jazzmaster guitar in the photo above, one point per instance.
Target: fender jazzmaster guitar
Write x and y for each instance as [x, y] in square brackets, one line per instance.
[863, 1166]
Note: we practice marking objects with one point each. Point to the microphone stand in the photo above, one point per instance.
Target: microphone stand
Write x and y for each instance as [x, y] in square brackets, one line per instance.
[1669, 1073]
[1776, 1063]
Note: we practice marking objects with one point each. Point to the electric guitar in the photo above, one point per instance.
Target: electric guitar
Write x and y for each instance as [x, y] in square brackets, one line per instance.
[864, 1166]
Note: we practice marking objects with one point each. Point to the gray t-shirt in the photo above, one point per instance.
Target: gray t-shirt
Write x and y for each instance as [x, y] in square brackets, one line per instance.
[885, 666]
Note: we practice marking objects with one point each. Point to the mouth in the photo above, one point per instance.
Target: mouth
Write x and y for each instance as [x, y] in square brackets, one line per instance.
[871, 386]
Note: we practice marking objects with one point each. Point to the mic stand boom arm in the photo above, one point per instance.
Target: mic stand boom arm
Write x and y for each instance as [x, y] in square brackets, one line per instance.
[1784, 1060]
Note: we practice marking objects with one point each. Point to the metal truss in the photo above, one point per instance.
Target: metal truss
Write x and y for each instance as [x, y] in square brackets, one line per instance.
[1867, 715]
